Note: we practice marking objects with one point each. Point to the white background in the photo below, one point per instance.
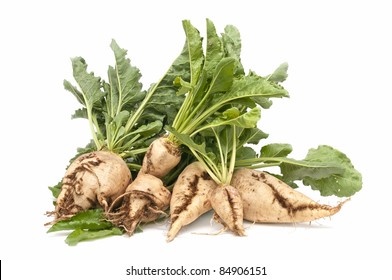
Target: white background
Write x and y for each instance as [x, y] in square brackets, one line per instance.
[339, 55]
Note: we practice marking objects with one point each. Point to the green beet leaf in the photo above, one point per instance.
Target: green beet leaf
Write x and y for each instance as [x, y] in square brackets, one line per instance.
[253, 86]
[195, 50]
[214, 49]
[325, 169]
[80, 235]
[250, 136]
[280, 74]
[56, 189]
[344, 184]
[232, 117]
[319, 163]
[231, 39]
[124, 85]
[276, 150]
[223, 76]
[245, 153]
[90, 94]
[90, 219]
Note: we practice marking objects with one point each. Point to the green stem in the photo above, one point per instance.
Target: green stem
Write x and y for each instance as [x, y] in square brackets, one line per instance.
[109, 106]
[130, 142]
[172, 138]
[223, 161]
[132, 120]
[119, 90]
[98, 130]
[183, 110]
[252, 161]
[207, 167]
[135, 117]
[201, 118]
[195, 111]
[214, 108]
[233, 156]
[133, 152]
[139, 151]
[192, 111]
[257, 166]
[189, 97]
[171, 178]
[91, 124]
[271, 161]
[134, 166]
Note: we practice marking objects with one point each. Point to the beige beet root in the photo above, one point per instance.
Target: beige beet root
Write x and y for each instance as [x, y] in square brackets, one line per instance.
[144, 200]
[161, 157]
[92, 180]
[267, 199]
[190, 197]
[227, 204]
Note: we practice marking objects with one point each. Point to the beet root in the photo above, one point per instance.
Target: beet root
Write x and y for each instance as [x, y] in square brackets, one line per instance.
[190, 197]
[144, 200]
[92, 180]
[161, 157]
[267, 199]
[227, 204]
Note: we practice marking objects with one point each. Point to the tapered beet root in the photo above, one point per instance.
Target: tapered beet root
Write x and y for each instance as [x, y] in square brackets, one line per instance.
[190, 197]
[267, 199]
[227, 204]
[144, 200]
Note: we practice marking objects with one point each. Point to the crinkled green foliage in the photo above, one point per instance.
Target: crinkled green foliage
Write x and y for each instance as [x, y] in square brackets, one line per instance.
[218, 83]
[86, 225]
[276, 150]
[123, 116]
[344, 182]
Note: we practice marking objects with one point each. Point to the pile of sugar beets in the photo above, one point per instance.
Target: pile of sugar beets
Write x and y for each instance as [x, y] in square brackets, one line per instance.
[187, 145]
